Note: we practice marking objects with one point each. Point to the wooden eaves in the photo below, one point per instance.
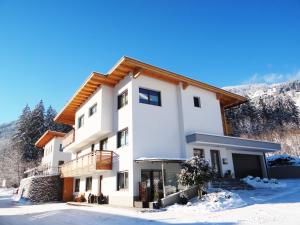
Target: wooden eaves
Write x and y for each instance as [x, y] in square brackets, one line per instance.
[134, 68]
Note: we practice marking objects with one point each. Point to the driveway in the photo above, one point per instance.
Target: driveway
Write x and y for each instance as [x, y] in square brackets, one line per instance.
[278, 206]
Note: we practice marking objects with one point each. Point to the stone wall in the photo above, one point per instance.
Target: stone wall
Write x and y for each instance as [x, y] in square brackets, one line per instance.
[41, 188]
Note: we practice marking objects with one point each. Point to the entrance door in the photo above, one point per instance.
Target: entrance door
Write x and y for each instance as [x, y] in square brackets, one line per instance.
[215, 161]
[152, 183]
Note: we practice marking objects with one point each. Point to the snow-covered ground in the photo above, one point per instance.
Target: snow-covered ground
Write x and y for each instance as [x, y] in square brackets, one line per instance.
[260, 206]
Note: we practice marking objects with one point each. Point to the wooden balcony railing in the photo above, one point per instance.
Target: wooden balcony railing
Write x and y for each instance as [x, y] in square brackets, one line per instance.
[69, 138]
[97, 160]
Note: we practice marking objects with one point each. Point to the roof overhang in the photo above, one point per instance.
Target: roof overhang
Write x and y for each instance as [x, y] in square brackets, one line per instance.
[166, 160]
[233, 143]
[47, 136]
[128, 66]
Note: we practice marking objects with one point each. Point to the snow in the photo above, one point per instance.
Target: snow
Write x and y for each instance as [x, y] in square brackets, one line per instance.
[257, 182]
[261, 206]
[217, 200]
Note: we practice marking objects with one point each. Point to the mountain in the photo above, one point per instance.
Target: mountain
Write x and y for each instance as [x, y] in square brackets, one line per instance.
[254, 91]
[271, 114]
[7, 130]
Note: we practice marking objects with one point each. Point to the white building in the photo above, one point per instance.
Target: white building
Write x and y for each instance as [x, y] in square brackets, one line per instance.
[54, 156]
[140, 120]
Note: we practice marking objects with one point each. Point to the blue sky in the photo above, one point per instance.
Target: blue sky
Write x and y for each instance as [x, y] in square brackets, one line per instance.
[48, 48]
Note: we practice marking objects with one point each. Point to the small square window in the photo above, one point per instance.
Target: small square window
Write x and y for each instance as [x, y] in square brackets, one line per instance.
[93, 109]
[81, 121]
[88, 184]
[122, 138]
[123, 99]
[77, 184]
[197, 102]
[103, 144]
[198, 152]
[122, 180]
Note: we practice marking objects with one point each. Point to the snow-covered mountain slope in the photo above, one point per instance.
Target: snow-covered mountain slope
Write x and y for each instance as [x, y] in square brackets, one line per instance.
[291, 88]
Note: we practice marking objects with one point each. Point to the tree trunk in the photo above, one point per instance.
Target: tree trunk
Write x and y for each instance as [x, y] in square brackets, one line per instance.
[199, 191]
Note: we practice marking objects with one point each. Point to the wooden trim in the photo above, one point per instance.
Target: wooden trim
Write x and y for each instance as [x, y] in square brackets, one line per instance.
[48, 136]
[121, 69]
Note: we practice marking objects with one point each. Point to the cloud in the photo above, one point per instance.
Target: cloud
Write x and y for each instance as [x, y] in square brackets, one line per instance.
[271, 78]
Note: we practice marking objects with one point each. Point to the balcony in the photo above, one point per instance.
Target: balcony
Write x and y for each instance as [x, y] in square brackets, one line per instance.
[69, 138]
[86, 164]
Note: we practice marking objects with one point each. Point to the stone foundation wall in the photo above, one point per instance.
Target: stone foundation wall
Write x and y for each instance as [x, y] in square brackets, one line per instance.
[41, 188]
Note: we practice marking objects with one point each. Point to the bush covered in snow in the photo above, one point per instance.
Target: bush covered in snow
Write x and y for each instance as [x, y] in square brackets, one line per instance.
[215, 200]
[196, 171]
[257, 182]
[283, 160]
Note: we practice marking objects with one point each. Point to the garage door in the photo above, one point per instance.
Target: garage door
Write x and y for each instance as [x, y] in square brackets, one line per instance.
[245, 165]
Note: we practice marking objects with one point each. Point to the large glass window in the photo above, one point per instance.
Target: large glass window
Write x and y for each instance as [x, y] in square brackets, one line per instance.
[149, 97]
[123, 99]
[122, 182]
[93, 109]
[81, 121]
[88, 184]
[122, 138]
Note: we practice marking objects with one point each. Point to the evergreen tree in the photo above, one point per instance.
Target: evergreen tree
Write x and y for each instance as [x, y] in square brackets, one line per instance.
[50, 115]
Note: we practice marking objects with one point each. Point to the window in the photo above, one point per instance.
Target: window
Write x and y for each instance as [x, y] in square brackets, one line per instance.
[60, 148]
[60, 162]
[88, 184]
[122, 138]
[93, 109]
[122, 182]
[197, 102]
[103, 144]
[77, 183]
[149, 97]
[122, 99]
[81, 121]
[92, 147]
[198, 152]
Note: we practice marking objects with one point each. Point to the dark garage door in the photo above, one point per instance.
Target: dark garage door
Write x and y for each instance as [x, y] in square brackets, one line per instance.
[245, 165]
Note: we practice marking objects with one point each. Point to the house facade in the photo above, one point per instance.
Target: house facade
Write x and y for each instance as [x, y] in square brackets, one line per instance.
[134, 126]
[54, 156]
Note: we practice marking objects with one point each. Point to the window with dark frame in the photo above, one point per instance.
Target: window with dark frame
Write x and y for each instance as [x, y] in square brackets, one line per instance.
[197, 102]
[103, 144]
[93, 109]
[150, 97]
[81, 121]
[92, 147]
[61, 147]
[77, 185]
[123, 99]
[198, 152]
[60, 162]
[122, 138]
[122, 180]
[88, 184]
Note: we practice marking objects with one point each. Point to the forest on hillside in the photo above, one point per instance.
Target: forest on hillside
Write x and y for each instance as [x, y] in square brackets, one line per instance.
[270, 118]
[17, 139]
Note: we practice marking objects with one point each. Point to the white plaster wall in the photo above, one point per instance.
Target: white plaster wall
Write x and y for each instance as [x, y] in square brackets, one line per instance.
[155, 128]
[100, 122]
[55, 155]
[207, 118]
